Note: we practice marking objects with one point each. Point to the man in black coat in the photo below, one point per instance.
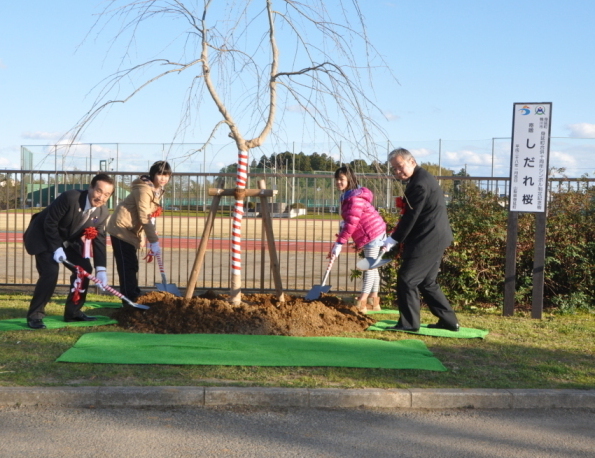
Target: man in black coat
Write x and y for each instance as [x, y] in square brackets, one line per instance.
[425, 233]
[72, 227]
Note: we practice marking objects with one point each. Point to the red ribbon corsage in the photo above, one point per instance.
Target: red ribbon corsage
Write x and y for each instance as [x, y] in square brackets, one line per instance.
[402, 204]
[157, 212]
[88, 235]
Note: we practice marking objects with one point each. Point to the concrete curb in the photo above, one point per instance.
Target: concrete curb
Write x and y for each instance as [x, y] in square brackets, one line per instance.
[187, 396]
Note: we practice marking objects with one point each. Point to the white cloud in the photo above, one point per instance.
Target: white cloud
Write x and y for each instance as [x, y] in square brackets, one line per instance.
[8, 163]
[2, 64]
[38, 135]
[295, 108]
[468, 157]
[581, 130]
[390, 116]
[559, 159]
[421, 152]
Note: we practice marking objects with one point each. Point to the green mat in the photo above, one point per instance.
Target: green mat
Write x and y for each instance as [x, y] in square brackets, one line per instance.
[249, 350]
[97, 304]
[464, 333]
[374, 312]
[52, 322]
[103, 305]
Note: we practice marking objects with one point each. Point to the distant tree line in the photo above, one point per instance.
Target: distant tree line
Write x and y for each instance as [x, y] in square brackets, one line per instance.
[315, 162]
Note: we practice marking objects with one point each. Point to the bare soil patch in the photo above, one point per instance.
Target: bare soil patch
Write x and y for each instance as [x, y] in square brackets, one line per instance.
[258, 314]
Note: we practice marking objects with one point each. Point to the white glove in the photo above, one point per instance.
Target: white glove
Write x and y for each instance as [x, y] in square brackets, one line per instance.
[101, 275]
[336, 250]
[59, 255]
[155, 247]
[388, 243]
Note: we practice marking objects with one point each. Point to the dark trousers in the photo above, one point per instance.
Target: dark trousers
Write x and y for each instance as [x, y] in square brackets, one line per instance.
[419, 275]
[48, 270]
[127, 265]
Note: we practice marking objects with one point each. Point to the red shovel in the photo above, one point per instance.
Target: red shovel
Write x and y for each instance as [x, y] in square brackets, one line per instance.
[108, 288]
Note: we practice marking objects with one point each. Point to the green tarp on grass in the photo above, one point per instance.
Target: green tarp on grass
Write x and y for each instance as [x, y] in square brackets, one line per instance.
[52, 322]
[97, 304]
[103, 305]
[463, 333]
[249, 350]
[386, 311]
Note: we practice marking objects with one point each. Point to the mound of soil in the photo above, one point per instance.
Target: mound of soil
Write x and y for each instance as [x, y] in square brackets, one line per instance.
[261, 314]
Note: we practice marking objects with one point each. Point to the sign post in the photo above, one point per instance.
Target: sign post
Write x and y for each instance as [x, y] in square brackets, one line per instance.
[529, 161]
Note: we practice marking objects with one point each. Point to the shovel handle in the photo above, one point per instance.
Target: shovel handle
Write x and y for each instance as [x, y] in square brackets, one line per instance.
[383, 250]
[160, 263]
[161, 268]
[96, 280]
[328, 270]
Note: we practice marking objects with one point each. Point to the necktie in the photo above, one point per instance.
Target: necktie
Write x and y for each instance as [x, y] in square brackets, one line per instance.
[86, 216]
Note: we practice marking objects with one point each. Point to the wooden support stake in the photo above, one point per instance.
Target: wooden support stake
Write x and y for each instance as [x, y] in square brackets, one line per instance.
[510, 269]
[263, 239]
[268, 225]
[539, 265]
[217, 193]
[202, 248]
[247, 192]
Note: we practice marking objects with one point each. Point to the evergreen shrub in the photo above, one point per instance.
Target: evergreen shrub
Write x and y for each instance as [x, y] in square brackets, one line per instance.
[473, 268]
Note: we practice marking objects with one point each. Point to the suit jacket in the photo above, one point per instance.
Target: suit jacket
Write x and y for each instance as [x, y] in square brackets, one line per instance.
[424, 227]
[132, 217]
[61, 222]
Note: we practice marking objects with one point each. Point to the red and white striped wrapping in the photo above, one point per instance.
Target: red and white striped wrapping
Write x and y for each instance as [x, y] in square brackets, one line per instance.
[238, 214]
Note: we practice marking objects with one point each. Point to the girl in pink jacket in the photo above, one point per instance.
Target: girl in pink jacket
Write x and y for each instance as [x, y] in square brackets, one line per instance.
[365, 226]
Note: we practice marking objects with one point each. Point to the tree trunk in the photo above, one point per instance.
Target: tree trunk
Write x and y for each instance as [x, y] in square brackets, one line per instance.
[235, 294]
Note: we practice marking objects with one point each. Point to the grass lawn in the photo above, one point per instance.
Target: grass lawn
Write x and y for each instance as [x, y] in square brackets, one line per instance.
[519, 352]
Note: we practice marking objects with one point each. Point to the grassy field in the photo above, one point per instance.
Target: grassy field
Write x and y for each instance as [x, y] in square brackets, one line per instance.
[519, 352]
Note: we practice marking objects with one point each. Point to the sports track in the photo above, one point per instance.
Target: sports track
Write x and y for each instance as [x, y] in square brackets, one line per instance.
[191, 243]
[181, 232]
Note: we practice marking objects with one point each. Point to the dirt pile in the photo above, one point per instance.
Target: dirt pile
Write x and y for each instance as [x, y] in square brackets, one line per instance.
[259, 314]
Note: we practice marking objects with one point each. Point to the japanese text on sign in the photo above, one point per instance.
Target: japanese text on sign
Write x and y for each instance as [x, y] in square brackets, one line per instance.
[530, 156]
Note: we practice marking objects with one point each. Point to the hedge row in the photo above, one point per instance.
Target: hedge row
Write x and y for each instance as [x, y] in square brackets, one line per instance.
[473, 267]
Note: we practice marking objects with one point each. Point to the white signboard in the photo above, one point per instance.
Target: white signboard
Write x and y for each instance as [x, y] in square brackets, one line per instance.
[530, 156]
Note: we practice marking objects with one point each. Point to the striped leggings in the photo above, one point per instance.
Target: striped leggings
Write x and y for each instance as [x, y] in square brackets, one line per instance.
[371, 281]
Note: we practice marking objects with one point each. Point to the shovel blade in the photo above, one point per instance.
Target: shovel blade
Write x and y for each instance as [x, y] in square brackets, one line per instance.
[140, 306]
[168, 288]
[317, 291]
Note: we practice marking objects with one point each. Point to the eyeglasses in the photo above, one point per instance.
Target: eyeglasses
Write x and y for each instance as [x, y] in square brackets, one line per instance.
[98, 192]
[400, 167]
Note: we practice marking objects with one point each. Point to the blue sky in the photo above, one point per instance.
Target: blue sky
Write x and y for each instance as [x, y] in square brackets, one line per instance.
[460, 66]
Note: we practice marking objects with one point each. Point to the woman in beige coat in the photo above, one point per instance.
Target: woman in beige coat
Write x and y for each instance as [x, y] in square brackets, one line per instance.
[133, 218]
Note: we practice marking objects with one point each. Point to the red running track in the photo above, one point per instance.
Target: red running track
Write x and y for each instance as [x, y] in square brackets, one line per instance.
[188, 243]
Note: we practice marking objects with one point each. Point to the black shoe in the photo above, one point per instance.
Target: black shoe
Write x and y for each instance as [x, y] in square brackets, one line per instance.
[81, 317]
[442, 325]
[400, 327]
[36, 324]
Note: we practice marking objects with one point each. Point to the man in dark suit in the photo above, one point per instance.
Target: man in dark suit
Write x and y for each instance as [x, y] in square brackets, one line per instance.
[72, 227]
[425, 233]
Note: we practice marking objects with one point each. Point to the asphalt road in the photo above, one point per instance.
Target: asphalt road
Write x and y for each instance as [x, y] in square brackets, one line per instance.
[243, 432]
